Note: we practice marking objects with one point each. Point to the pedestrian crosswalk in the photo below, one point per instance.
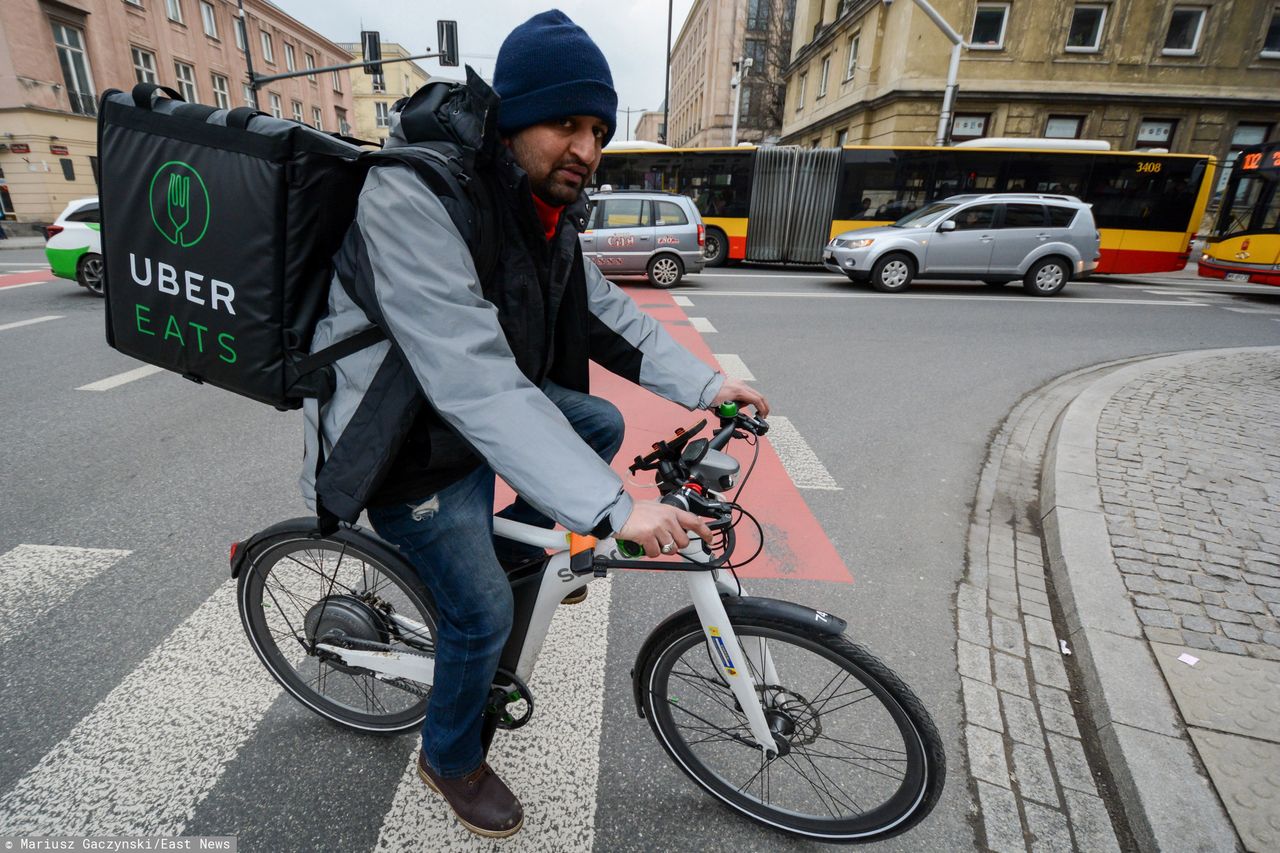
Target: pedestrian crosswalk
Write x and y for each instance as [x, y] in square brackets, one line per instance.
[157, 745]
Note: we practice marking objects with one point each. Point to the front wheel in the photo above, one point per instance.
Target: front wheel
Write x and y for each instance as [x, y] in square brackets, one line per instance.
[893, 273]
[858, 757]
[298, 590]
[89, 274]
[665, 271]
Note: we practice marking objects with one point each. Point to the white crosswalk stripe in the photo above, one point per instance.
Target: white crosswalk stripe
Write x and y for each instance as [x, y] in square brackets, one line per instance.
[144, 758]
[702, 324]
[682, 301]
[19, 324]
[802, 464]
[734, 367]
[122, 378]
[34, 579]
[557, 752]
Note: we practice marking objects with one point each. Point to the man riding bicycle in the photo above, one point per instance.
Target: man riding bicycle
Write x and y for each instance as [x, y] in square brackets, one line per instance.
[486, 371]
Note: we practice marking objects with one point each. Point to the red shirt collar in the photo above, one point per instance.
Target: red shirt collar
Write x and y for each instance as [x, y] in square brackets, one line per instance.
[548, 215]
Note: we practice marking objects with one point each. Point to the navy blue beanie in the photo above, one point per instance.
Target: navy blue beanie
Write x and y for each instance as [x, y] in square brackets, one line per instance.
[549, 68]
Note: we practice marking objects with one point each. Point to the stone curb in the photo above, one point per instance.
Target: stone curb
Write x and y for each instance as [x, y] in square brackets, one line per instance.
[1169, 803]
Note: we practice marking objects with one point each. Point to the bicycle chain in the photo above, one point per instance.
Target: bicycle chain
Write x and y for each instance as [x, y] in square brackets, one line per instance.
[343, 641]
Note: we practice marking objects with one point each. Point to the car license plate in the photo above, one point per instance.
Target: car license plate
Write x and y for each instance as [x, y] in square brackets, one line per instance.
[1237, 276]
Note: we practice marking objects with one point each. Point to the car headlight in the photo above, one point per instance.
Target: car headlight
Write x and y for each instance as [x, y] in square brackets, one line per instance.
[851, 243]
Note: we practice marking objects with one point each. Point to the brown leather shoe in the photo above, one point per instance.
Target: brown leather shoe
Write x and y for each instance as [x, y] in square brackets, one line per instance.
[480, 800]
[576, 597]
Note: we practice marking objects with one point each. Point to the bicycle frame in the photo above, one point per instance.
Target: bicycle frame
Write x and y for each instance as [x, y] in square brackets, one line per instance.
[558, 580]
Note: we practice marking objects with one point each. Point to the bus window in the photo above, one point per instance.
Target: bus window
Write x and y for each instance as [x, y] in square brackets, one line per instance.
[967, 172]
[883, 185]
[1133, 192]
[1254, 207]
[1038, 172]
[719, 183]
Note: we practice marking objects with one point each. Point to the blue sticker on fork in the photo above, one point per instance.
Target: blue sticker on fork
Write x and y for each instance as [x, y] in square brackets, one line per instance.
[718, 642]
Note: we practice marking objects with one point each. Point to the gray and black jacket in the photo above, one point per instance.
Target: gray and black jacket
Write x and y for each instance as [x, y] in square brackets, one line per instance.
[457, 382]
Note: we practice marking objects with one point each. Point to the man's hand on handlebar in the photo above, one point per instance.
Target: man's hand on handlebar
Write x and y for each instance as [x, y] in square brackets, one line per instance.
[741, 392]
[652, 525]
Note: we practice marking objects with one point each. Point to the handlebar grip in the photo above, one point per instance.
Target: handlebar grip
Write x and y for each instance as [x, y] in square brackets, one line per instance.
[629, 549]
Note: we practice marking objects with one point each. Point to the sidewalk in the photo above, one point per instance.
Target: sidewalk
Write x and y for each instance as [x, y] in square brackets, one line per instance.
[1159, 496]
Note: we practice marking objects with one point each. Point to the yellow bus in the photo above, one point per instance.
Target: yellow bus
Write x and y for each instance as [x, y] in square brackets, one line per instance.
[783, 204]
[1245, 242]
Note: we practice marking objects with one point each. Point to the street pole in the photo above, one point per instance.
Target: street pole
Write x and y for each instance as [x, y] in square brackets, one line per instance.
[666, 83]
[953, 71]
[248, 55]
[739, 69]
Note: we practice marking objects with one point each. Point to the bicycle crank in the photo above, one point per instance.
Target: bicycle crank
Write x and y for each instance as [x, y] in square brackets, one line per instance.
[513, 704]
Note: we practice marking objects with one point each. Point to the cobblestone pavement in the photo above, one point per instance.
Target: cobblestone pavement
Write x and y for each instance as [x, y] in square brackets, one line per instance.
[1189, 469]
[1036, 789]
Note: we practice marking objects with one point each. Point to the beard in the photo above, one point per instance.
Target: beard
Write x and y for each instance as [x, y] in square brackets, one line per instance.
[557, 187]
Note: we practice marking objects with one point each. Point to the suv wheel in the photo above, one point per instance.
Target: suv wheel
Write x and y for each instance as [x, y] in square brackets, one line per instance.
[893, 273]
[715, 248]
[665, 271]
[1046, 277]
[89, 274]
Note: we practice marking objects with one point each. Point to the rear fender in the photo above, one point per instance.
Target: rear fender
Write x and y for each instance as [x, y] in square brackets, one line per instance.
[308, 527]
[804, 620]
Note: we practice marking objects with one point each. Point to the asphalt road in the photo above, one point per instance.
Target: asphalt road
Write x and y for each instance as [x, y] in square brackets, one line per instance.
[897, 395]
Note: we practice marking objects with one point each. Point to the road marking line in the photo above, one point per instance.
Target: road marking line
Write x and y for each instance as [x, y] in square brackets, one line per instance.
[734, 367]
[802, 464]
[31, 266]
[559, 752]
[682, 301]
[1248, 310]
[1173, 291]
[121, 378]
[702, 324]
[31, 322]
[34, 579]
[142, 760]
[24, 284]
[1008, 300]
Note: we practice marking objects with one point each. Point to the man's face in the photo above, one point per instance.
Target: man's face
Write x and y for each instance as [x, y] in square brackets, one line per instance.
[560, 155]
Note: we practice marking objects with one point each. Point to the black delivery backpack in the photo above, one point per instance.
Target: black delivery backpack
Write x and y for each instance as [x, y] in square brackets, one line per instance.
[218, 229]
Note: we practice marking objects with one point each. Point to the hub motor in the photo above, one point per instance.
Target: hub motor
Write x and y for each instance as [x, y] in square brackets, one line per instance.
[345, 616]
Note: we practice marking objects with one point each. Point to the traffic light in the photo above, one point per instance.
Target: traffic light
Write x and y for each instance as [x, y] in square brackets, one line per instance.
[447, 35]
[371, 45]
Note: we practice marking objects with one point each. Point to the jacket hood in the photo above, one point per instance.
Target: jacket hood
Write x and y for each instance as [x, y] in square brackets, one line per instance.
[465, 114]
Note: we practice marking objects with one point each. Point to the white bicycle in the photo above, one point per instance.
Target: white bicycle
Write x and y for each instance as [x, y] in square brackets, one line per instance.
[765, 704]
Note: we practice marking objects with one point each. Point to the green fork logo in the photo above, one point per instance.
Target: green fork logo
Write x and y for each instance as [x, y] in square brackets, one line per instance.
[179, 203]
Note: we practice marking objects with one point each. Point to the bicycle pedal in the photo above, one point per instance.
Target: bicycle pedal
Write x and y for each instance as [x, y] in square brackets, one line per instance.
[575, 597]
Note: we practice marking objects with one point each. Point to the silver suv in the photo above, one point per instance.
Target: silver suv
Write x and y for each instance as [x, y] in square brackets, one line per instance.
[654, 234]
[1044, 240]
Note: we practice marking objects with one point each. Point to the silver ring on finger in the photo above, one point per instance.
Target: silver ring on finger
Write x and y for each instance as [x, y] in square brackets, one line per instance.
[669, 548]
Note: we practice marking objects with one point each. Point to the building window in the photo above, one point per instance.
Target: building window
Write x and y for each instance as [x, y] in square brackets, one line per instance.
[1063, 127]
[1085, 35]
[242, 41]
[822, 79]
[841, 138]
[310, 62]
[406, 84]
[144, 66]
[1155, 133]
[337, 82]
[221, 92]
[744, 109]
[209, 19]
[317, 118]
[383, 118]
[968, 127]
[297, 111]
[186, 75]
[249, 99]
[268, 49]
[341, 116]
[1271, 46]
[851, 64]
[757, 14]
[804, 79]
[379, 83]
[69, 42]
[290, 61]
[174, 8]
[988, 26]
[137, 3]
[1183, 38]
[754, 49]
[277, 108]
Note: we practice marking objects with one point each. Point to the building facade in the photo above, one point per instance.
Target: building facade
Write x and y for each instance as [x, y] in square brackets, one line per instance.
[58, 56]
[715, 35]
[373, 95]
[1199, 77]
[649, 126]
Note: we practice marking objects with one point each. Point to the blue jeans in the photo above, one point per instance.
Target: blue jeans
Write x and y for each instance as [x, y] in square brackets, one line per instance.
[451, 544]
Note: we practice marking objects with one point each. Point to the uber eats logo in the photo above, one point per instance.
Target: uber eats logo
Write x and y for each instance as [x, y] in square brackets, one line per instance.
[179, 203]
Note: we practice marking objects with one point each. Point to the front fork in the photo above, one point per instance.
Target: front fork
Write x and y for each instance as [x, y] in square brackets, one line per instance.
[736, 667]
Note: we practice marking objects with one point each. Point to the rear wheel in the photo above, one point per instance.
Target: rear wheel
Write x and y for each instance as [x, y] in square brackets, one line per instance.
[858, 757]
[1047, 277]
[89, 274]
[893, 273]
[296, 591]
[665, 271]
[715, 248]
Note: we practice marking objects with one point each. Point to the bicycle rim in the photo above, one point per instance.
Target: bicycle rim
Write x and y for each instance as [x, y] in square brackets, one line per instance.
[855, 765]
[301, 588]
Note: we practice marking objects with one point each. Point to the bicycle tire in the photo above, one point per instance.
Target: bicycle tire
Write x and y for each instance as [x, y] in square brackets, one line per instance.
[304, 556]
[924, 760]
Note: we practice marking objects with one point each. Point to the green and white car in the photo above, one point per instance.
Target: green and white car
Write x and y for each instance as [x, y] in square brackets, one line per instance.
[74, 244]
